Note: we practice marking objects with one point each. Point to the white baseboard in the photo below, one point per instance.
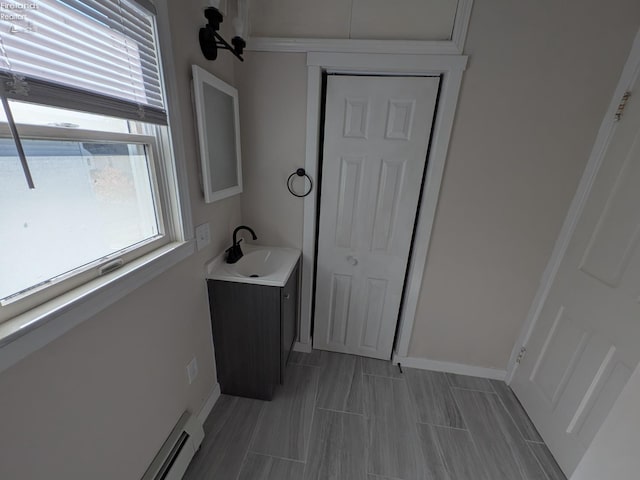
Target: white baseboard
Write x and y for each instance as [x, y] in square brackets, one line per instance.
[450, 367]
[209, 403]
[302, 347]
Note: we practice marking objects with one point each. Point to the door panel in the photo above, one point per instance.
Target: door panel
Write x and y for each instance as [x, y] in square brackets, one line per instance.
[356, 120]
[400, 119]
[615, 238]
[374, 154]
[584, 345]
[559, 356]
[340, 308]
[350, 184]
[376, 293]
[387, 203]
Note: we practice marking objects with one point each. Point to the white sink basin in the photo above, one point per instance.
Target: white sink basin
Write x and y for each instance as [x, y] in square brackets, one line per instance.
[259, 265]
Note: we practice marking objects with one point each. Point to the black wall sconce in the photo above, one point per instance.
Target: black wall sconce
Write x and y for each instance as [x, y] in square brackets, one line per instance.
[211, 41]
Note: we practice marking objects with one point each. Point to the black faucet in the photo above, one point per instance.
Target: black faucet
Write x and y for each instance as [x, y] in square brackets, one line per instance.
[234, 252]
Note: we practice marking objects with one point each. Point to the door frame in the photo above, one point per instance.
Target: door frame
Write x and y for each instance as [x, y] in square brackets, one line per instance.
[450, 68]
[630, 75]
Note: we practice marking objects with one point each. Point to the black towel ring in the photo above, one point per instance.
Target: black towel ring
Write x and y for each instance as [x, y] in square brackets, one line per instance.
[300, 173]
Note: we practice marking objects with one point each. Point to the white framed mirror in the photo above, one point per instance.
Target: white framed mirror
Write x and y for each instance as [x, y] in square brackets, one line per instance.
[216, 105]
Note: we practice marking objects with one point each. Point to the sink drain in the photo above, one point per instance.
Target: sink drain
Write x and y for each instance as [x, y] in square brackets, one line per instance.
[255, 275]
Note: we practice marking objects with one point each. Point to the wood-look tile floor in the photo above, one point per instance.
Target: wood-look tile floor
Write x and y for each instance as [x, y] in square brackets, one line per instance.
[341, 417]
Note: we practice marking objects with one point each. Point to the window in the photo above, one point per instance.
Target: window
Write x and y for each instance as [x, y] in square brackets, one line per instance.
[86, 180]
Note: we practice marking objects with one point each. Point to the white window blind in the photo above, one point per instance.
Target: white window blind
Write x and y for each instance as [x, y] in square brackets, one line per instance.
[97, 56]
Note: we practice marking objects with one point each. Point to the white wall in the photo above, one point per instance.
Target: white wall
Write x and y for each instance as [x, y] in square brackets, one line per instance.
[98, 402]
[272, 89]
[614, 454]
[362, 19]
[539, 79]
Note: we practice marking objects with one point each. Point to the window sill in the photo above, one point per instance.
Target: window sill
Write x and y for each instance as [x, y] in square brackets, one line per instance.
[34, 329]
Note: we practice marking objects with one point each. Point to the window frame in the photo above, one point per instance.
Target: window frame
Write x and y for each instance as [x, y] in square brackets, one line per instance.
[37, 294]
[27, 332]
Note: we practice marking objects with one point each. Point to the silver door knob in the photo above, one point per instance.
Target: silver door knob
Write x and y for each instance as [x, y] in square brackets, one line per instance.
[352, 260]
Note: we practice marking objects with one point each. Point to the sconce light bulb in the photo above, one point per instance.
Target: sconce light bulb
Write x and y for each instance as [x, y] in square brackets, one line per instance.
[239, 27]
[240, 23]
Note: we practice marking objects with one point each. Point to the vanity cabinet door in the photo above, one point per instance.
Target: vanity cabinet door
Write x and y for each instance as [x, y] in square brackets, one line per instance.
[289, 318]
[245, 321]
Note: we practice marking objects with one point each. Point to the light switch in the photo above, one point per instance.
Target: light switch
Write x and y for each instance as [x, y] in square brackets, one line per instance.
[203, 236]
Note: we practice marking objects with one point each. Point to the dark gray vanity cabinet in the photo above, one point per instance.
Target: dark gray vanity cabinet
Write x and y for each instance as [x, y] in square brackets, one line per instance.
[254, 327]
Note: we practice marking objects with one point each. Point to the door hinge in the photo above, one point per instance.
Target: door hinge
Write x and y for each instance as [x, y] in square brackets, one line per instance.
[622, 105]
[523, 352]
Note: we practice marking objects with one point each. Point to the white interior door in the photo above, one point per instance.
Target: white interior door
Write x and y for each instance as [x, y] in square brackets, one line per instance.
[586, 342]
[376, 136]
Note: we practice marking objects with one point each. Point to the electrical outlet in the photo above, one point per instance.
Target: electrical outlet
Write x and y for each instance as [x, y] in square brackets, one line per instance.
[192, 370]
[203, 236]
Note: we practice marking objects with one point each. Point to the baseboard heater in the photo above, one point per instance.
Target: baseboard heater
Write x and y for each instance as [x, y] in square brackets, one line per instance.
[173, 458]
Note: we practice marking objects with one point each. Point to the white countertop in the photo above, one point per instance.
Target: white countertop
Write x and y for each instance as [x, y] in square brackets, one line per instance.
[273, 265]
